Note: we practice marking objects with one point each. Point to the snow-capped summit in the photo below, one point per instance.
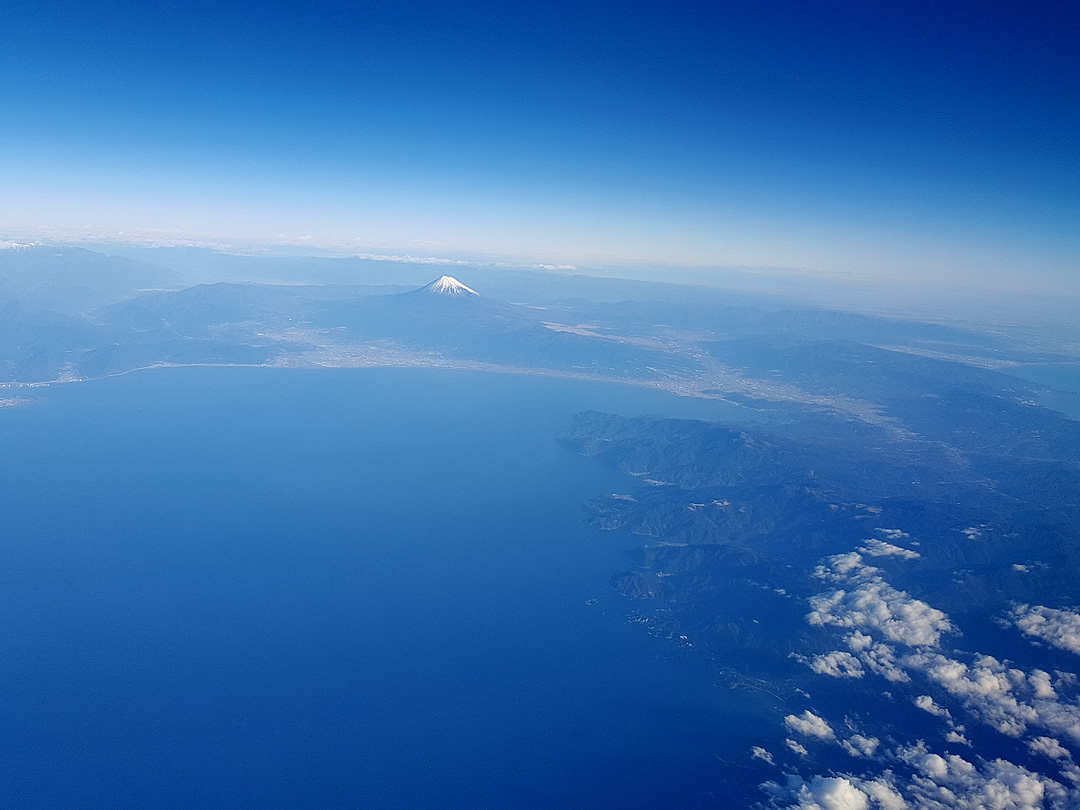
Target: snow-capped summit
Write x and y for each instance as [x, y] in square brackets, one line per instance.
[448, 285]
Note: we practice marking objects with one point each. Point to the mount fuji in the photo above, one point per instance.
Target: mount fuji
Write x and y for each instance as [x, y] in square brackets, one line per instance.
[214, 323]
[448, 285]
[454, 320]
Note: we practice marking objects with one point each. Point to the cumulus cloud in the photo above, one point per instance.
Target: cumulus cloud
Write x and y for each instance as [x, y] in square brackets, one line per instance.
[1014, 701]
[1005, 698]
[1048, 747]
[883, 794]
[935, 782]
[810, 725]
[880, 548]
[876, 605]
[859, 746]
[841, 566]
[835, 793]
[860, 641]
[831, 793]
[838, 664]
[757, 752]
[869, 603]
[957, 736]
[1061, 628]
[998, 694]
[950, 781]
[1040, 683]
[880, 659]
[927, 704]
[798, 748]
[893, 534]
[1071, 772]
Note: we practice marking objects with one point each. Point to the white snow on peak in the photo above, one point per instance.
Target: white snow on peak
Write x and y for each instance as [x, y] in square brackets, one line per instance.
[448, 285]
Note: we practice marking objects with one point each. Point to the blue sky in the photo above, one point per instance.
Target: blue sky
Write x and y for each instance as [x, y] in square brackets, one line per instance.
[912, 140]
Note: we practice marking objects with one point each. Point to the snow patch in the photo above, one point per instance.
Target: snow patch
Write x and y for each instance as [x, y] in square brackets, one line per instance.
[448, 285]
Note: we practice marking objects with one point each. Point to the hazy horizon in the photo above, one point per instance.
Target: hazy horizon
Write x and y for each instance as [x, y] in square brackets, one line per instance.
[902, 143]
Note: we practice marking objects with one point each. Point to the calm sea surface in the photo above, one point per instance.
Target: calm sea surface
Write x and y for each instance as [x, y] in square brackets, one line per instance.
[1062, 378]
[333, 588]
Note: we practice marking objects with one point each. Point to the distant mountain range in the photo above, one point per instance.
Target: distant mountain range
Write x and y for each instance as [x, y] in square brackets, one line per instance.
[100, 277]
[69, 313]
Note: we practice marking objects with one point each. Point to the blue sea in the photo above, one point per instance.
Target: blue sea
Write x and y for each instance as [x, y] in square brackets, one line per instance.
[334, 588]
[1063, 380]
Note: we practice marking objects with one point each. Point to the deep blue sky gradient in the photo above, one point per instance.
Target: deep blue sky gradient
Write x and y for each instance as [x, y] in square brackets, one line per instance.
[935, 140]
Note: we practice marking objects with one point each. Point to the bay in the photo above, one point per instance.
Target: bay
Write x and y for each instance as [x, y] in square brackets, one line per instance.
[335, 588]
